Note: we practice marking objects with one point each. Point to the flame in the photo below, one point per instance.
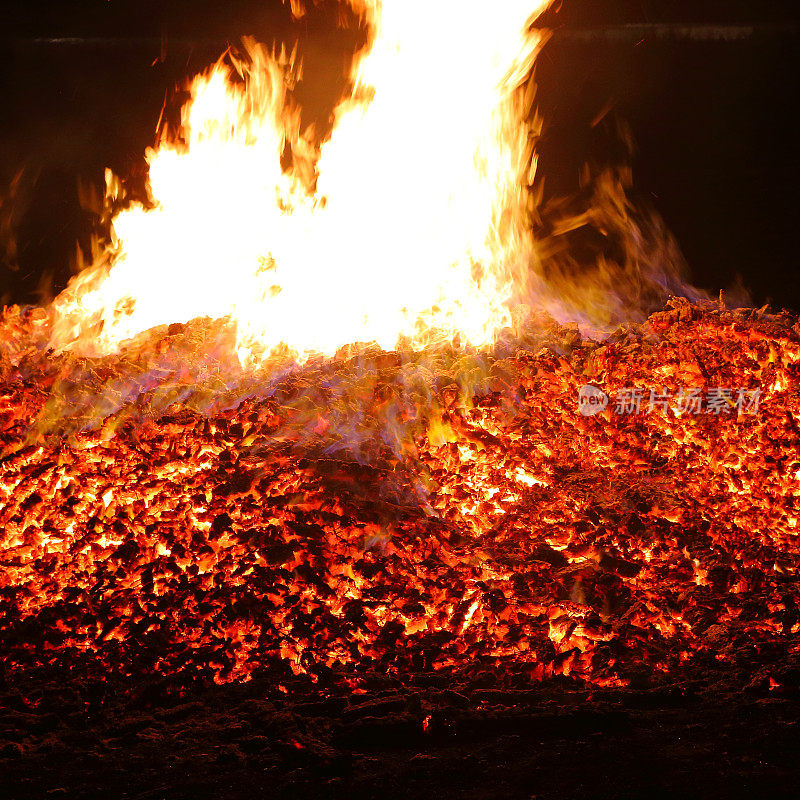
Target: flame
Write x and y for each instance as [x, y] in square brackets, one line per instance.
[408, 224]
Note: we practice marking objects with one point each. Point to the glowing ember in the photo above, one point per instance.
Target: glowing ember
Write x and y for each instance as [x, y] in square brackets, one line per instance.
[441, 507]
[408, 223]
[517, 536]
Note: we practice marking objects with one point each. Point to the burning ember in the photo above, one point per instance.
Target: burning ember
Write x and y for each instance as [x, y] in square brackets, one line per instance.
[513, 536]
[300, 419]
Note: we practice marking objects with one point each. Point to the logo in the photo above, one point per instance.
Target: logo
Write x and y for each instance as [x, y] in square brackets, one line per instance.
[591, 400]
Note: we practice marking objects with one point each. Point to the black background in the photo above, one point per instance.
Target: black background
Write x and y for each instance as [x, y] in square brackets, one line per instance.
[713, 117]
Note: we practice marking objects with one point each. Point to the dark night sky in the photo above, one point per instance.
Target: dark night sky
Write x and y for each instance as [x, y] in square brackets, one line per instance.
[235, 17]
[713, 120]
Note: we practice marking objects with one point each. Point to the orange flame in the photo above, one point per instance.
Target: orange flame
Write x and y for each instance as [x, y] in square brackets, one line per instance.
[408, 224]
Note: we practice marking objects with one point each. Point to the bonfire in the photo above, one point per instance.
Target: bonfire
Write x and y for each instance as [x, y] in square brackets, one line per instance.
[318, 416]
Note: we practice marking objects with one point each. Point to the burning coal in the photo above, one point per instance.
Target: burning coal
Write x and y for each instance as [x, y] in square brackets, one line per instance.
[308, 421]
[516, 536]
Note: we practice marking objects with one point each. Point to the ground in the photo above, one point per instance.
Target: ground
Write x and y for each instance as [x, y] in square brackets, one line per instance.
[688, 739]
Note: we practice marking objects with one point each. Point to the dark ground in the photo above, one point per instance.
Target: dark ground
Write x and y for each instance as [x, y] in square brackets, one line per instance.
[705, 737]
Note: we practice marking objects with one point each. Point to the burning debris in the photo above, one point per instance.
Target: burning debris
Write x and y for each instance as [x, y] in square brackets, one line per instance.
[495, 531]
[334, 448]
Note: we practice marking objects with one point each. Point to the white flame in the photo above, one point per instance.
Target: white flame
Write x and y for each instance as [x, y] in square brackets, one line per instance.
[416, 227]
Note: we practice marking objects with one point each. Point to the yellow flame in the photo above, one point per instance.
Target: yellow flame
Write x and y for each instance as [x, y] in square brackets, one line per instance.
[408, 223]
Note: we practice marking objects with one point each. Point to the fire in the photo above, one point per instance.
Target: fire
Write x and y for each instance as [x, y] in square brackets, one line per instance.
[408, 224]
[377, 515]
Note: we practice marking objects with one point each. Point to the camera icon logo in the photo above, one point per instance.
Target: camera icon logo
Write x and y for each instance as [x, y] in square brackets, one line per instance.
[591, 400]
